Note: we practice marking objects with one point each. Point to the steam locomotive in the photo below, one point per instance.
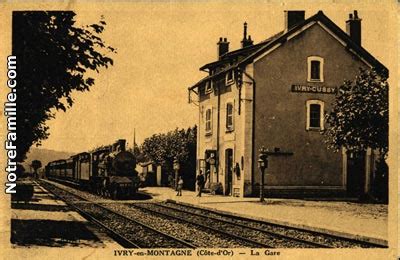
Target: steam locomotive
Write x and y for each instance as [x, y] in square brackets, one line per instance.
[108, 171]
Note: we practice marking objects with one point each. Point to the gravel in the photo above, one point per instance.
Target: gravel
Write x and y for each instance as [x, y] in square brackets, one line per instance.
[188, 232]
[247, 233]
[140, 235]
[177, 226]
[292, 232]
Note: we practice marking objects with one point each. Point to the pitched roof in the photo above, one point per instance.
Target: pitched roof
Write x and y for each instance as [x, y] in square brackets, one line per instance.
[254, 51]
[229, 56]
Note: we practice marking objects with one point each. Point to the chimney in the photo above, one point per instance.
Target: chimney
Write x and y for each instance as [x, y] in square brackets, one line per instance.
[246, 41]
[353, 27]
[292, 18]
[223, 47]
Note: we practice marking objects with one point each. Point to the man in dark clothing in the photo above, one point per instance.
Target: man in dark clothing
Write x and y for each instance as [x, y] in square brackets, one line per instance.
[200, 183]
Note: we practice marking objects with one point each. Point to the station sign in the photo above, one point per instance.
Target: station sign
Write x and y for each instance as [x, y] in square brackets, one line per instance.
[313, 89]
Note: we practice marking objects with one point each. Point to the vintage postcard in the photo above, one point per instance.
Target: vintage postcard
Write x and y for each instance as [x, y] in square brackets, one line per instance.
[199, 129]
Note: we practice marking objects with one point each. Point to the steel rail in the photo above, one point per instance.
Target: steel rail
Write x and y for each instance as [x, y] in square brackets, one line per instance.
[189, 245]
[122, 240]
[282, 236]
[248, 240]
[337, 237]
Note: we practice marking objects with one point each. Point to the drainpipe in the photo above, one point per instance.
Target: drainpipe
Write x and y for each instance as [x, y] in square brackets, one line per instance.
[253, 127]
[198, 130]
[198, 139]
[218, 121]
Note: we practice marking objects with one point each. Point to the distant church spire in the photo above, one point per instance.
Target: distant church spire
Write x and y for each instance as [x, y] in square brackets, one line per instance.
[134, 138]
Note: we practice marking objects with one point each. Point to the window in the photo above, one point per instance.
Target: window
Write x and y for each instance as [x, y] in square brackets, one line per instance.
[315, 69]
[315, 115]
[229, 116]
[208, 88]
[229, 78]
[208, 121]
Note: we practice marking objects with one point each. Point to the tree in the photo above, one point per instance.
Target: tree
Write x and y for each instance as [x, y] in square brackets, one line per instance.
[20, 171]
[180, 143]
[53, 58]
[36, 164]
[359, 119]
[137, 152]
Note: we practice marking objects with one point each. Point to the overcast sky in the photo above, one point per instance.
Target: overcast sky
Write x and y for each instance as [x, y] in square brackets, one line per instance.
[160, 49]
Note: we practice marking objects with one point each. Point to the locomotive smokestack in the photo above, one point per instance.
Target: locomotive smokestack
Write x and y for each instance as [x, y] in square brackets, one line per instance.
[120, 145]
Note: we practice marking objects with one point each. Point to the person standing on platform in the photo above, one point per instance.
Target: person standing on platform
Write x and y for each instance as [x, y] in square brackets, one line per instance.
[180, 186]
[200, 183]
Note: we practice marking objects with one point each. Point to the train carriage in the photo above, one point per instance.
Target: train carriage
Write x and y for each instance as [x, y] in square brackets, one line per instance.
[56, 169]
[81, 168]
[108, 170]
[69, 169]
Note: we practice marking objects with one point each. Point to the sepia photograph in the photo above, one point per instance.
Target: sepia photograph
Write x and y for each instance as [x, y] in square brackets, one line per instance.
[199, 129]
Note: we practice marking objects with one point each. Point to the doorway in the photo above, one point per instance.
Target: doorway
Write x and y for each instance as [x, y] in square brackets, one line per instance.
[228, 171]
[355, 173]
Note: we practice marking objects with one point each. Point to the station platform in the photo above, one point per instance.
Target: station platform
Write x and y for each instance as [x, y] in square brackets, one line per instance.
[45, 221]
[368, 222]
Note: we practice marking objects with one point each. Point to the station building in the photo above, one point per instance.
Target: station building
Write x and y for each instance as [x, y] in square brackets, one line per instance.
[274, 94]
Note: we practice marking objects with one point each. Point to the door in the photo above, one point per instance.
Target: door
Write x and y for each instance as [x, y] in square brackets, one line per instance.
[228, 171]
[355, 173]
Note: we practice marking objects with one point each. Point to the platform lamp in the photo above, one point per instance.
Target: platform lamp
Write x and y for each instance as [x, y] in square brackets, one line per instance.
[262, 165]
[176, 168]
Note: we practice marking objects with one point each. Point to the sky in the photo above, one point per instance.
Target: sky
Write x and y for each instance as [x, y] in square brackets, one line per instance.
[160, 48]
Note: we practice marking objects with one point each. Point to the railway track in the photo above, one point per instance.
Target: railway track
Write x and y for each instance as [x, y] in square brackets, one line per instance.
[312, 238]
[203, 238]
[128, 232]
[170, 217]
[254, 237]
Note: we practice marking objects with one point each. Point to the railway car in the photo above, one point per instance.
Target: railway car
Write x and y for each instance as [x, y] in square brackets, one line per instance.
[56, 169]
[108, 171]
[81, 168]
[69, 169]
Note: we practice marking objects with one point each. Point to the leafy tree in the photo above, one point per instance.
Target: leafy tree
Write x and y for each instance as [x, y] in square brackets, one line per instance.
[180, 143]
[137, 152]
[20, 171]
[36, 164]
[53, 58]
[359, 118]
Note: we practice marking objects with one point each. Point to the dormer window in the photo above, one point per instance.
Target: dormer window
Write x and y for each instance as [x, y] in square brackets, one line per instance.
[208, 88]
[315, 69]
[229, 78]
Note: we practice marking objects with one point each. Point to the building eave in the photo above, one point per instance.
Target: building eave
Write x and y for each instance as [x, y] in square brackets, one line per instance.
[364, 55]
[279, 39]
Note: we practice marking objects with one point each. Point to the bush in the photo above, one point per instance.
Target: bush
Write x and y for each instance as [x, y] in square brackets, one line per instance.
[216, 188]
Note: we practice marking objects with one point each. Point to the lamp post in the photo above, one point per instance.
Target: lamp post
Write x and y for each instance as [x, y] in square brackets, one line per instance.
[262, 164]
[176, 168]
